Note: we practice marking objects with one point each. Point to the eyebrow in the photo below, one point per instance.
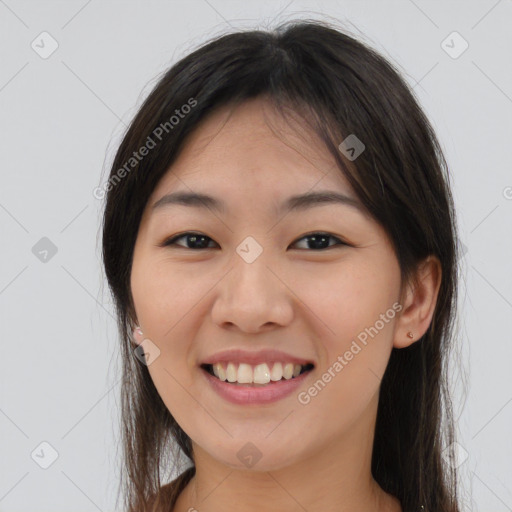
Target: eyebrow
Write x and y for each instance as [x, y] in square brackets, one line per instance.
[299, 202]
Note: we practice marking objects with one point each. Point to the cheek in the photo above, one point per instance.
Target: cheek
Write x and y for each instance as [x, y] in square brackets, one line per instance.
[343, 299]
[352, 308]
[164, 303]
[159, 307]
[170, 302]
[164, 294]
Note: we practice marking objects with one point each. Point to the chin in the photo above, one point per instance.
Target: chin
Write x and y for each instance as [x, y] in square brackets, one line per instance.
[250, 457]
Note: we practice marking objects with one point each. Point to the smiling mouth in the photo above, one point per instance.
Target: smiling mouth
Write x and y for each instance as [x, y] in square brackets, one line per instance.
[258, 375]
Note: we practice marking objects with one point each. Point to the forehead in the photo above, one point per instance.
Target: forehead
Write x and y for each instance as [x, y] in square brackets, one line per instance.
[252, 152]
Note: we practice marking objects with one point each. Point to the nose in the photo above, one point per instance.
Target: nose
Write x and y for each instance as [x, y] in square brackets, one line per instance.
[253, 297]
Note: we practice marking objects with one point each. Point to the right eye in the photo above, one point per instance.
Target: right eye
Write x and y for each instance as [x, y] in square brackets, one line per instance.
[196, 241]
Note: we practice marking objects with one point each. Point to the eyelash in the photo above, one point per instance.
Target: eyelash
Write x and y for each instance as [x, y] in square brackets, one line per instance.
[172, 241]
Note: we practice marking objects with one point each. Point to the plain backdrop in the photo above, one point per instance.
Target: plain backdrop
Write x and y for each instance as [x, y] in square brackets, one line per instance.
[62, 115]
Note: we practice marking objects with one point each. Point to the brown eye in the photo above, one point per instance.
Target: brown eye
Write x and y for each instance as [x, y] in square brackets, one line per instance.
[320, 241]
[193, 241]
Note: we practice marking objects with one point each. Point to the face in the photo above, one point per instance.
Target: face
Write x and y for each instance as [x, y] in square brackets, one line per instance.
[318, 282]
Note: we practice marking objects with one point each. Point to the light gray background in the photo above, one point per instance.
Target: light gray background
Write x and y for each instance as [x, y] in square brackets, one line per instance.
[61, 119]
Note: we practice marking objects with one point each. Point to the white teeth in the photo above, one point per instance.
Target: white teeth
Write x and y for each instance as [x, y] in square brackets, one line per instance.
[259, 374]
[277, 372]
[231, 372]
[219, 372]
[244, 373]
[288, 371]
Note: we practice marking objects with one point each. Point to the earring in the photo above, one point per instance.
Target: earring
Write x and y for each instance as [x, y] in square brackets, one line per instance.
[137, 334]
[410, 334]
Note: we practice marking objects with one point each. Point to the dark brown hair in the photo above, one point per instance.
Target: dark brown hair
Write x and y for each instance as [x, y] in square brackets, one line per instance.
[341, 86]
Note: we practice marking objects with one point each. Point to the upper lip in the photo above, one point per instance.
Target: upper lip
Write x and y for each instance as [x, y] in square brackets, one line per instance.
[259, 357]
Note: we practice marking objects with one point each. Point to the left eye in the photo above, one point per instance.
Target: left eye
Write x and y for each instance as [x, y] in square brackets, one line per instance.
[317, 241]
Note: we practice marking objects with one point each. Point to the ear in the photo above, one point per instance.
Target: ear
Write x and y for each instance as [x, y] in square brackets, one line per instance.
[419, 298]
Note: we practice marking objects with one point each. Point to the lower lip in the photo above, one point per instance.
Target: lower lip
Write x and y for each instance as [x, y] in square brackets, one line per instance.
[244, 395]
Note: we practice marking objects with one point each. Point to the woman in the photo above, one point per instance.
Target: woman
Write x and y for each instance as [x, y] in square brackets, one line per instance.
[280, 240]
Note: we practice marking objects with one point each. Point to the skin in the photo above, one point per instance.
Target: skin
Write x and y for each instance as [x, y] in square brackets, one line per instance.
[192, 303]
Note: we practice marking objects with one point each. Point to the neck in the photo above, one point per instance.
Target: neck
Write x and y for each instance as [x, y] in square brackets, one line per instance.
[336, 477]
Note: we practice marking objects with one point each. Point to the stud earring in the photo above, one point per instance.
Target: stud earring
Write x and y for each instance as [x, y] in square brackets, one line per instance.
[410, 334]
[137, 334]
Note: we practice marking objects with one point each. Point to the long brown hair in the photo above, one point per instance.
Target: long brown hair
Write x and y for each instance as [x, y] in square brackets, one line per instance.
[342, 86]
